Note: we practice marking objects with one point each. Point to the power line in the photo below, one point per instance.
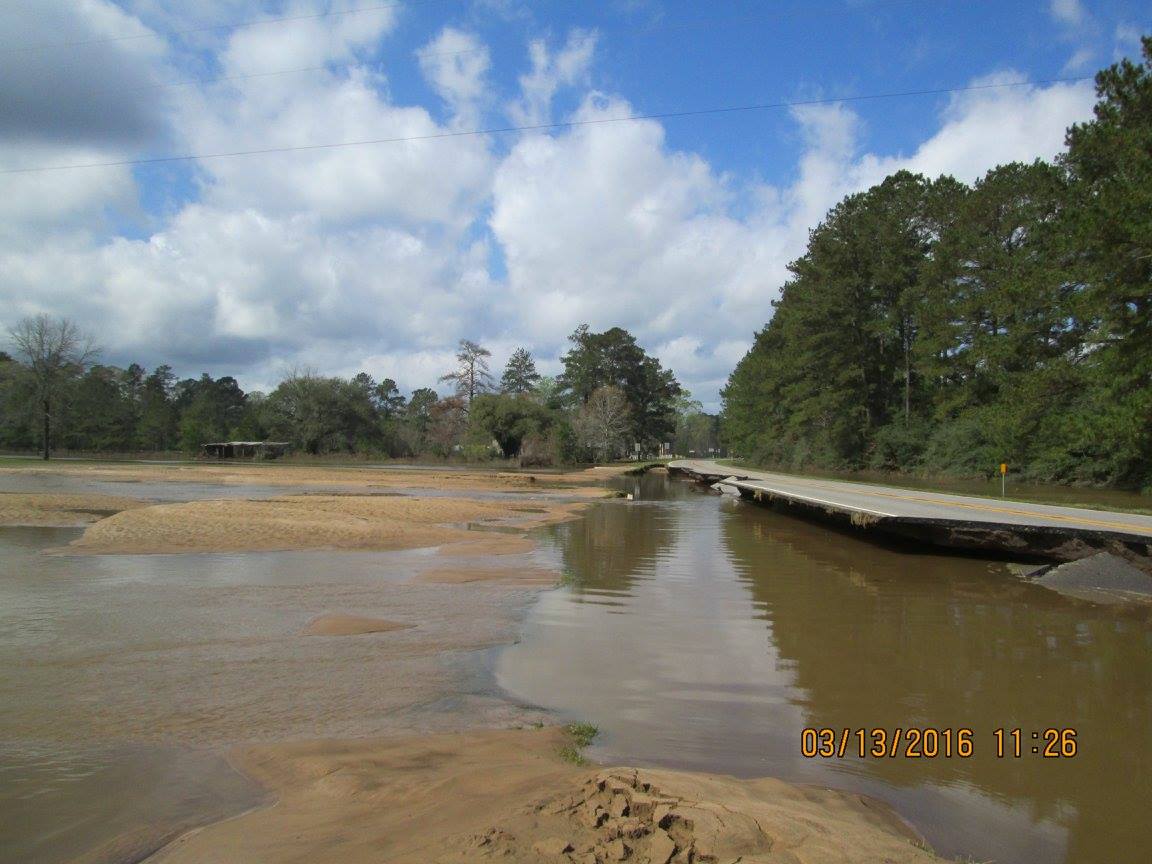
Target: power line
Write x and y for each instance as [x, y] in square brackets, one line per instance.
[216, 79]
[651, 30]
[541, 127]
[235, 25]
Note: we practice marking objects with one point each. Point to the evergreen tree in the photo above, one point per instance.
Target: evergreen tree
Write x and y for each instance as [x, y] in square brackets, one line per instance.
[520, 375]
[929, 324]
[613, 359]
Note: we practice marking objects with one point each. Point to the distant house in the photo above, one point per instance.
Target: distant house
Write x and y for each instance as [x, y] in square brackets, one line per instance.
[246, 449]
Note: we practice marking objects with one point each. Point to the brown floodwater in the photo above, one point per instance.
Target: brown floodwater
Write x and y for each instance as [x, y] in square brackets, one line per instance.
[125, 679]
[706, 633]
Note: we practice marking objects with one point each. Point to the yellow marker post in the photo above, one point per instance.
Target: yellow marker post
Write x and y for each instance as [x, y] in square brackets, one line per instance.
[1003, 477]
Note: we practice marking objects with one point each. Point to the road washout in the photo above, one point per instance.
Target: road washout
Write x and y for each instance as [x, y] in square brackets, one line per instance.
[506, 795]
[453, 795]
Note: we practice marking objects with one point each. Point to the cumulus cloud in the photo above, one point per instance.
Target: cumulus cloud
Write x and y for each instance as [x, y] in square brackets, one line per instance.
[983, 128]
[1069, 12]
[605, 224]
[551, 70]
[430, 181]
[381, 257]
[455, 64]
[59, 84]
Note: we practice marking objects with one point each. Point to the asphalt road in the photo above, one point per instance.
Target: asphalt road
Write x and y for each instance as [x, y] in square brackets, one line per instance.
[893, 503]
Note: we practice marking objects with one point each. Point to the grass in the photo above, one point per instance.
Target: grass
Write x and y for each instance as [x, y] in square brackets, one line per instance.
[580, 735]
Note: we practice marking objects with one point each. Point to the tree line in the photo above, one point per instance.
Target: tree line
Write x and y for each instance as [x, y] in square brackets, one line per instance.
[936, 327]
[611, 399]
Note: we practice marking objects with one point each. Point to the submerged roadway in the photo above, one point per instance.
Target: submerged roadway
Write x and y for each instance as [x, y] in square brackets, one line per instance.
[958, 521]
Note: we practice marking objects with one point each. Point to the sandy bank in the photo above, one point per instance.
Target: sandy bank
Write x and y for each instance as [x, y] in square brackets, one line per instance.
[279, 474]
[338, 624]
[315, 522]
[60, 510]
[506, 795]
[464, 575]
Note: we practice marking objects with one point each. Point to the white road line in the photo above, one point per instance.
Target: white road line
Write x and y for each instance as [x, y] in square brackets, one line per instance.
[835, 504]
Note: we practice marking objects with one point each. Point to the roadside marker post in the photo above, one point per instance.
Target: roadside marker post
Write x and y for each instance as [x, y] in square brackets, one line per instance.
[1003, 476]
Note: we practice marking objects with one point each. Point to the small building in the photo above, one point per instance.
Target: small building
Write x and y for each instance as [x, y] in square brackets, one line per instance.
[246, 449]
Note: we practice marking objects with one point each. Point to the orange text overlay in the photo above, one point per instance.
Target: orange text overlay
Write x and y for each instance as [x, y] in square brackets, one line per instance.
[934, 743]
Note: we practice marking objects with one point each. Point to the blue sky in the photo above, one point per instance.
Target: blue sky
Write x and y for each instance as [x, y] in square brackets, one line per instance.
[380, 257]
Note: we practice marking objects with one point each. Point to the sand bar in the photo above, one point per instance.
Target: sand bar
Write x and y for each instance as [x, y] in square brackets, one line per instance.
[60, 510]
[507, 795]
[314, 522]
[339, 624]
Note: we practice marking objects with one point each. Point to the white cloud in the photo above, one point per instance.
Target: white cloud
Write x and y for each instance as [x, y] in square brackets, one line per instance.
[35, 205]
[984, 128]
[307, 42]
[75, 89]
[1127, 39]
[604, 224]
[380, 257]
[1079, 61]
[437, 181]
[1069, 12]
[568, 67]
[455, 64]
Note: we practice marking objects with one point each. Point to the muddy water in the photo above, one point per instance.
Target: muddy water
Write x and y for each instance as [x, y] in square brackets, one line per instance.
[706, 633]
[125, 678]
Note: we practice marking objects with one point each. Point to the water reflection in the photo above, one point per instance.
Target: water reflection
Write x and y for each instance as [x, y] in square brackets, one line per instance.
[123, 678]
[710, 632]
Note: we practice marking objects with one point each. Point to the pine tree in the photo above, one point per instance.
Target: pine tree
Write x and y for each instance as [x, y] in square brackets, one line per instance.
[520, 375]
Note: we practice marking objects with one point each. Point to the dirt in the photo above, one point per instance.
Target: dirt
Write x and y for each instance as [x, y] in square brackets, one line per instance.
[369, 522]
[507, 795]
[57, 510]
[577, 482]
[338, 624]
[464, 575]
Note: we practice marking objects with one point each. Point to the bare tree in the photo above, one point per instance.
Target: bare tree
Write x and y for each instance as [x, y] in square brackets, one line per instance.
[471, 377]
[602, 422]
[55, 351]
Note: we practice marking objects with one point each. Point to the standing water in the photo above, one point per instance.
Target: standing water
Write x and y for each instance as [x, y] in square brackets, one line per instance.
[707, 634]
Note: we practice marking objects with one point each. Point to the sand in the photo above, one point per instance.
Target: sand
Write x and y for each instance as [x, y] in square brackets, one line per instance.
[465, 575]
[495, 794]
[338, 624]
[60, 510]
[368, 522]
[507, 795]
[578, 483]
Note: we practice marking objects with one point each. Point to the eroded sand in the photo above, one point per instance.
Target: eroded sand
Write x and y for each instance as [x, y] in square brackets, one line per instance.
[508, 796]
[339, 624]
[477, 795]
[463, 575]
[59, 510]
[280, 474]
[315, 522]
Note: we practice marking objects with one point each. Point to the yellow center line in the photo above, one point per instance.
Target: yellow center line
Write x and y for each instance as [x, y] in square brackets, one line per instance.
[1141, 529]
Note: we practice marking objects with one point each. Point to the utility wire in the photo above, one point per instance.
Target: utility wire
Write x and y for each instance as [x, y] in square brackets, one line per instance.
[216, 79]
[650, 30]
[541, 127]
[257, 22]
[235, 25]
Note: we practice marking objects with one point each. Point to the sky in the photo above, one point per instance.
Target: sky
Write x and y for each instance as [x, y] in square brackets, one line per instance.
[379, 257]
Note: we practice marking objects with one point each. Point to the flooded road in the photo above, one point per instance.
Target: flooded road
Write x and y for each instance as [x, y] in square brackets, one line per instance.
[696, 632]
[707, 633]
[124, 679]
